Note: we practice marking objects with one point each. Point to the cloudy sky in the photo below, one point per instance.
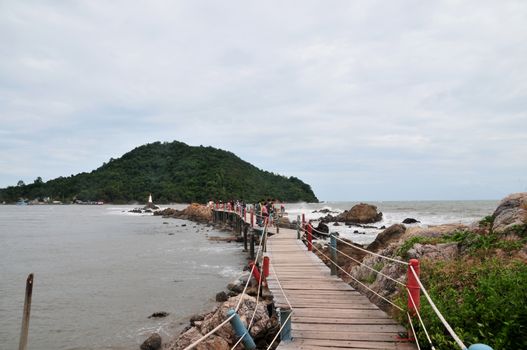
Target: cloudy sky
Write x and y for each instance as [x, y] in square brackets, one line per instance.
[364, 100]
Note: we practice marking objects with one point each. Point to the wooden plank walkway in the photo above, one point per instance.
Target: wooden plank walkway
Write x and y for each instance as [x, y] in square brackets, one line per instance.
[327, 312]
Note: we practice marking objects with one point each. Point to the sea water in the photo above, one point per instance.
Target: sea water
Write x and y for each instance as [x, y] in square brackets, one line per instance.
[101, 271]
[426, 212]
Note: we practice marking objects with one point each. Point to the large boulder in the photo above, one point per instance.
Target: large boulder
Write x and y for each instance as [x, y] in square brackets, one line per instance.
[361, 214]
[152, 343]
[511, 213]
[391, 234]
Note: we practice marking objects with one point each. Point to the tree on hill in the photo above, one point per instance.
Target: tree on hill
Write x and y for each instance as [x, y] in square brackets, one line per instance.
[172, 172]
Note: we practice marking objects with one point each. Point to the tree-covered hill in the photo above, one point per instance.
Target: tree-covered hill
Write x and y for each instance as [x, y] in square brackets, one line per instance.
[172, 172]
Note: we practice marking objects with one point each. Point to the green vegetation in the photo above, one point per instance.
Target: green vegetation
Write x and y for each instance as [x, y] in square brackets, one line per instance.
[482, 294]
[172, 172]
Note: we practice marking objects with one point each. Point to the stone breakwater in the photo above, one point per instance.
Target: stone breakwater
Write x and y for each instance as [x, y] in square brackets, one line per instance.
[256, 304]
[194, 212]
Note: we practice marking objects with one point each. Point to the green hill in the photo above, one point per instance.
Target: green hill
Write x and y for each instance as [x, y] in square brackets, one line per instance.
[172, 172]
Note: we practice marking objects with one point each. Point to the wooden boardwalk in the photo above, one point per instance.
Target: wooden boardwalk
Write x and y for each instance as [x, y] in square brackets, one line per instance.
[327, 312]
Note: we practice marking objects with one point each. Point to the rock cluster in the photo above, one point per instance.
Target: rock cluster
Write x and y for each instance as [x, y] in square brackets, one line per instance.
[195, 212]
[262, 328]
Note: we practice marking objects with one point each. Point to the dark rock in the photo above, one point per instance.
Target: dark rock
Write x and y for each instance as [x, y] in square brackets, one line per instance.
[410, 221]
[361, 213]
[387, 236]
[152, 343]
[171, 234]
[382, 227]
[356, 231]
[328, 218]
[196, 318]
[221, 297]
[336, 224]
[184, 225]
[159, 314]
[322, 227]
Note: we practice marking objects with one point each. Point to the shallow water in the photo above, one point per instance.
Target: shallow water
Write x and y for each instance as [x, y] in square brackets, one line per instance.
[99, 274]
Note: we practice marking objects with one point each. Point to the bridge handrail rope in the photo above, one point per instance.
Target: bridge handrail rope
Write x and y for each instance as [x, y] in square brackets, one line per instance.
[200, 340]
[437, 312]
[284, 323]
[197, 342]
[411, 298]
[254, 313]
[416, 309]
[372, 253]
[362, 249]
[264, 233]
[413, 330]
[372, 269]
[356, 280]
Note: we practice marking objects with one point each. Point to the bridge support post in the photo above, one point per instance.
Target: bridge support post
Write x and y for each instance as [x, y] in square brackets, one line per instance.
[240, 330]
[251, 251]
[298, 227]
[283, 317]
[333, 250]
[414, 297]
[252, 217]
[245, 229]
[309, 237]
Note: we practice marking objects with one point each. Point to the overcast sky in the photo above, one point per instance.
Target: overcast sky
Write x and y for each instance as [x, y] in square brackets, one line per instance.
[363, 100]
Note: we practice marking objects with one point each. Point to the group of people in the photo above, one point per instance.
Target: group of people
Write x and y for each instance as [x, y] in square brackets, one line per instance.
[263, 208]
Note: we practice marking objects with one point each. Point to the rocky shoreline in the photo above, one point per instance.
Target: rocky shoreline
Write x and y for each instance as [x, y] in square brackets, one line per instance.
[502, 235]
[265, 322]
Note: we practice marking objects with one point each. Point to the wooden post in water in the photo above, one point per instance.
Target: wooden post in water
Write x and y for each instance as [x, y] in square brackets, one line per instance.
[27, 311]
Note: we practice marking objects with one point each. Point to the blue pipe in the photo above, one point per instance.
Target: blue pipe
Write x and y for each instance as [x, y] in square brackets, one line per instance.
[240, 330]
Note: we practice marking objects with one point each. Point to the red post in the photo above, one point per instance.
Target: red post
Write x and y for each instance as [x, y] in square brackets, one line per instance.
[413, 287]
[266, 266]
[252, 217]
[256, 272]
[309, 237]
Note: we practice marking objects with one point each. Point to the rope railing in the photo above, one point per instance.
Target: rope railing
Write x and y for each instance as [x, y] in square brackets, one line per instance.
[372, 253]
[437, 312]
[241, 295]
[356, 280]
[414, 303]
[412, 289]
